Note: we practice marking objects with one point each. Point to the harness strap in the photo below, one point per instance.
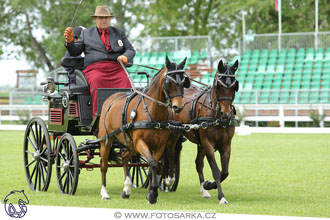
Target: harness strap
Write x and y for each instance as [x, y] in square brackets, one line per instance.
[192, 113]
[206, 122]
[105, 124]
[124, 115]
[193, 106]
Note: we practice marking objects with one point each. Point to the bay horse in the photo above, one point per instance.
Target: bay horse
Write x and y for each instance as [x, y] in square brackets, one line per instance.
[144, 118]
[214, 108]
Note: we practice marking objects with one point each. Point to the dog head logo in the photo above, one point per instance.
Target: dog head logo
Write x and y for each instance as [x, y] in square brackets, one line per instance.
[15, 204]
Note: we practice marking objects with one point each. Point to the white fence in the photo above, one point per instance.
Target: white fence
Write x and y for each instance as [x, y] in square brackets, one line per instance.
[258, 113]
[14, 113]
[287, 40]
[282, 113]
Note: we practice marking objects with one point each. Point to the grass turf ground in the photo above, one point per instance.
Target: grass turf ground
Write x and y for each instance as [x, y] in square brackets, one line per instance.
[269, 174]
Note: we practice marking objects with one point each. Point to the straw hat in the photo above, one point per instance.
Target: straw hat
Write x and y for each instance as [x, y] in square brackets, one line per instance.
[102, 11]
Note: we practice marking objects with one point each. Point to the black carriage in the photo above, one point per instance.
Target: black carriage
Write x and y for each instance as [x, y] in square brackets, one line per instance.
[70, 114]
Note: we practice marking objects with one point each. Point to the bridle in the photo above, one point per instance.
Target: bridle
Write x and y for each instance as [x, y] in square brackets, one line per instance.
[226, 85]
[169, 76]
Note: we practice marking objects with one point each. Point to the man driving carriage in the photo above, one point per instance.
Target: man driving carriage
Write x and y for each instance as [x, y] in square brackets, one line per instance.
[103, 46]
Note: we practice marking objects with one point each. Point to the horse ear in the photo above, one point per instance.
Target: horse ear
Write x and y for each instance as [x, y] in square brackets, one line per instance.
[221, 67]
[183, 63]
[235, 66]
[167, 61]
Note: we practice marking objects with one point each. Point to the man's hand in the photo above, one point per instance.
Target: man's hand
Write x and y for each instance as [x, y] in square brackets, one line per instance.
[68, 35]
[122, 58]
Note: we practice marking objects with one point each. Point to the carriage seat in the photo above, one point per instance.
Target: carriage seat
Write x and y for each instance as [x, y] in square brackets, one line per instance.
[73, 62]
[76, 63]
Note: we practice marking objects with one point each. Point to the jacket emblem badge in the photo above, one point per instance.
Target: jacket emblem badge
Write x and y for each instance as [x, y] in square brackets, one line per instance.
[120, 43]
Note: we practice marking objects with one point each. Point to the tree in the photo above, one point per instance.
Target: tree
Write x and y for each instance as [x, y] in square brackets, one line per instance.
[36, 27]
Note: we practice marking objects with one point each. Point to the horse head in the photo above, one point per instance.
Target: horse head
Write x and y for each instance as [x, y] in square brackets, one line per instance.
[174, 82]
[225, 86]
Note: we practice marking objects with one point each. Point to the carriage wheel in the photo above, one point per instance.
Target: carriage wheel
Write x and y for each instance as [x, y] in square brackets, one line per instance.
[37, 159]
[139, 174]
[67, 165]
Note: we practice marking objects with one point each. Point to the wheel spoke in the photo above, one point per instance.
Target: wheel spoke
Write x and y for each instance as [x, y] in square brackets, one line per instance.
[44, 159]
[34, 147]
[29, 152]
[32, 162]
[69, 150]
[40, 137]
[67, 183]
[42, 174]
[36, 179]
[137, 176]
[34, 170]
[71, 159]
[141, 177]
[42, 143]
[59, 153]
[34, 137]
[44, 149]
[71, 178]
[62, 176]
[64, 149]
[145, 172]
[39, 176]
[44, 168]
[36, 133]
[133, 174]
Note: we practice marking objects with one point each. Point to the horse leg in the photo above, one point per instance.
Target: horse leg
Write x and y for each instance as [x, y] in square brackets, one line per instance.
[128, 182]
[209, 151]
[104, 153]
[172, 146]
[199, 167]
[143, 149]
[225, 156]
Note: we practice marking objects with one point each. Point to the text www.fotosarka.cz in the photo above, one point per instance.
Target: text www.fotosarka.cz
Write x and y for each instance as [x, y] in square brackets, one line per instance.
[164, 215]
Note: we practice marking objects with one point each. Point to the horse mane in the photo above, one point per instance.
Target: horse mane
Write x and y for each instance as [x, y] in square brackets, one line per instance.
[156, 76]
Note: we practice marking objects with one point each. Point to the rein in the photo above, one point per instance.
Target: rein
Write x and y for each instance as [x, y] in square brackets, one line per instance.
[149, 67]
[137, 91]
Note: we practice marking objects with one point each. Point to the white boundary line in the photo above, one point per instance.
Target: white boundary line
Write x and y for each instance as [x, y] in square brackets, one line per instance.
[58, 212]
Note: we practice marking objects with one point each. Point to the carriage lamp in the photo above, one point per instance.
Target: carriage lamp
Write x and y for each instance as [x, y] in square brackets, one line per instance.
[65, 99]
[50, 86]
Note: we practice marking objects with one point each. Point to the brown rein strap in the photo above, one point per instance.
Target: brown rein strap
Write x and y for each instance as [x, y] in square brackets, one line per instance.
[137, 91]
[154, 100]
[149, 67]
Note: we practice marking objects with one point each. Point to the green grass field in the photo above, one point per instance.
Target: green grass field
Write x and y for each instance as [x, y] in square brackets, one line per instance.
[269, 174]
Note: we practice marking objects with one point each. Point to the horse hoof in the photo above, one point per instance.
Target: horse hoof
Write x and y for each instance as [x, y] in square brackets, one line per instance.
[169, 181]
[223, 201]
[151, 199]
[105, 197]
[206, 194]
[124, 195]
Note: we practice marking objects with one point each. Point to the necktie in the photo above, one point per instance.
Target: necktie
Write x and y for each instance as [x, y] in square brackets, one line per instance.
[103, 37]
